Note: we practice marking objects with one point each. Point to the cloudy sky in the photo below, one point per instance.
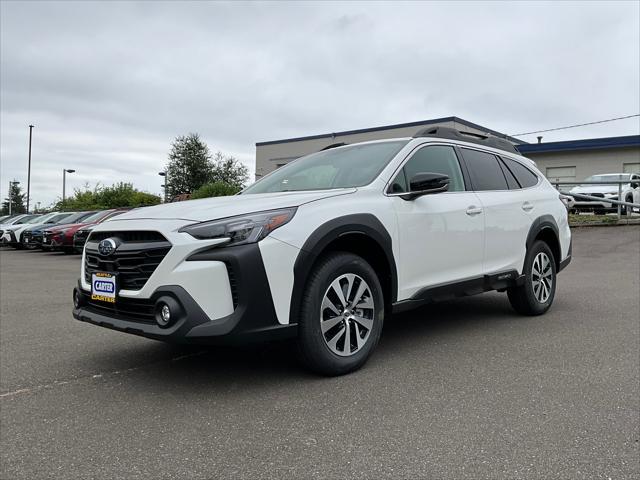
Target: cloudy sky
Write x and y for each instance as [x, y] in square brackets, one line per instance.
[108, 85]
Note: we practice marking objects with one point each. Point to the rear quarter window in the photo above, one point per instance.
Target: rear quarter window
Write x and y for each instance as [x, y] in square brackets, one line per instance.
[526, 178]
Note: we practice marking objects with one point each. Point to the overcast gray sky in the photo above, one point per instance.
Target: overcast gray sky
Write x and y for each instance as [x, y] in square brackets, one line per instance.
[110, 84]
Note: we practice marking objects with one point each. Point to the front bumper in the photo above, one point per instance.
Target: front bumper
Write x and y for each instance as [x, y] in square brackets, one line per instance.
[253, 315]
[31, 240]
[593, 204]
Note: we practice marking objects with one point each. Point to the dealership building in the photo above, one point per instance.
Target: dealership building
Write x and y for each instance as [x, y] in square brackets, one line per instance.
[565, 161]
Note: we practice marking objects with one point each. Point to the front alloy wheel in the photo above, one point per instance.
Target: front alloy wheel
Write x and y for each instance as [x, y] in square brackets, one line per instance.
[347, 314]
[341, 314]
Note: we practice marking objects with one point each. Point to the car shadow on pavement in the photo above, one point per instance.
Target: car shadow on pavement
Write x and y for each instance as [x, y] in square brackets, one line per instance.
[219, 367]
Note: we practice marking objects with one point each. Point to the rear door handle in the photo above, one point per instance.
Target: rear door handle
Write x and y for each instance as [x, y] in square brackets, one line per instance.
[527, 207]
[473, 210]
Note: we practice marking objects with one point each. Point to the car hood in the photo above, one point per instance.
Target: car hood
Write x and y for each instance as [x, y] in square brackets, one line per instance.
[222, 207]
[38, 228]
[7, 228]
[595, 189]
[29, 226]
[75, 226]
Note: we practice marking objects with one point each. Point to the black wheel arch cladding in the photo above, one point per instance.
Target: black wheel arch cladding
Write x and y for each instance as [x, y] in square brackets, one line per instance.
[544, 224]
[364, 224]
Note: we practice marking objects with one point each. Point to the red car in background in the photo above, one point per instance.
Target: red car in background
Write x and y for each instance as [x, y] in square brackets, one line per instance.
[61, 237]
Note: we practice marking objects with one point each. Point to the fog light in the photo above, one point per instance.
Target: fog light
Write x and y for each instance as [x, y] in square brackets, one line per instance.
[168, 311]
[164, 315]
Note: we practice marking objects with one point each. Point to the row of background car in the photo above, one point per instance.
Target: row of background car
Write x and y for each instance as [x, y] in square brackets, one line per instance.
[57, 231]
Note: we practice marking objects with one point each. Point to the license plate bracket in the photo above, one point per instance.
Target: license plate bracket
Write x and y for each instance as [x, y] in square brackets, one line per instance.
[104, 287]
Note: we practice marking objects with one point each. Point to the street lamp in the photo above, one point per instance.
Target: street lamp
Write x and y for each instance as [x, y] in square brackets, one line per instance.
[29, 168]
[64, 180]
[11, 184]
[164, 185]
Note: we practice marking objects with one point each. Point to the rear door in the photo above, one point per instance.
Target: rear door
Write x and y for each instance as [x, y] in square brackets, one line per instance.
[507, 211]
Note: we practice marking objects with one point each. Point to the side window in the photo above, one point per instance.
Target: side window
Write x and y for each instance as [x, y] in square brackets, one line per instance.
[431, 159]
[525, 177]
[511, 180]
[485, 171]
[399, 184]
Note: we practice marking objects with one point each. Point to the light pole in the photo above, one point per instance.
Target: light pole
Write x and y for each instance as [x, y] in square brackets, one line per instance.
[11, 184]
[166, 181]
[64, 180]
[29, 169]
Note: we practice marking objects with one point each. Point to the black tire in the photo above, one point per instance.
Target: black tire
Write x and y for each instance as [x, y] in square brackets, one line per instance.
[313, 348]
[523, 298]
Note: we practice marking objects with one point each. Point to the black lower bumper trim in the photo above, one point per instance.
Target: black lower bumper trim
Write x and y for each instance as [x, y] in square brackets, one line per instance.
[254, 316]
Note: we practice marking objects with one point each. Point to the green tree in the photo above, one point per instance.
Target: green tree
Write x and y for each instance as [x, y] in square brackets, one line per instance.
[189, 165]
[17, 200]
[118, 195]
[215, 189]
[229, 170]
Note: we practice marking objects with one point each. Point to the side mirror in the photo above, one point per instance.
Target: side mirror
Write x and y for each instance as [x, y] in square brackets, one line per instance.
[635, 185]
[426, 184]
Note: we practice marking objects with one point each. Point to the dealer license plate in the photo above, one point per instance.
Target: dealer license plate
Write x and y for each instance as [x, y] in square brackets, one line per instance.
[103, 287]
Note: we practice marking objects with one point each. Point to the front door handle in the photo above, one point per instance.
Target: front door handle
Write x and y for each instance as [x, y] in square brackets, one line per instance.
[473, 210]
[527, 207]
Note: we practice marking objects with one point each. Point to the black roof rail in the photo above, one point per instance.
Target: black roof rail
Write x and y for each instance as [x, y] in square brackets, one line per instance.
[333, 145]
[480, 139]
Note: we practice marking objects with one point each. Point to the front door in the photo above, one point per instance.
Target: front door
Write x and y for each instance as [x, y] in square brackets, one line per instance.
[441, 236]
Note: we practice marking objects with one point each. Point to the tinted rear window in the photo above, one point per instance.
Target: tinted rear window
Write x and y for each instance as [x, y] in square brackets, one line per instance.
[526, 178]
[485, 171]
[511, 179]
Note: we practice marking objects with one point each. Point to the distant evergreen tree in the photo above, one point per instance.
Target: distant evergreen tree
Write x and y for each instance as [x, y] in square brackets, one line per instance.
[17, 200]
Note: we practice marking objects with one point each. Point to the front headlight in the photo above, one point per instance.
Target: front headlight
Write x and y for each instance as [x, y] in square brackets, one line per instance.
[242, 229]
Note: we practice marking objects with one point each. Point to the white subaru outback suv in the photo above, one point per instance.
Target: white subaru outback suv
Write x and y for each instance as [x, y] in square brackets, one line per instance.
[326, 247]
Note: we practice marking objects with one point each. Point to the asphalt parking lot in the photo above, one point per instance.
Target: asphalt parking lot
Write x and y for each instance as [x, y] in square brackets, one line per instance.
[463, 389]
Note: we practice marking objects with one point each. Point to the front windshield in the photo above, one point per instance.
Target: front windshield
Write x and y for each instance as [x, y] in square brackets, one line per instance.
[37, 219]
[57, 217]
[619, 177]
[343, 167]
[25, 219]
[75, 218]
[95, 217]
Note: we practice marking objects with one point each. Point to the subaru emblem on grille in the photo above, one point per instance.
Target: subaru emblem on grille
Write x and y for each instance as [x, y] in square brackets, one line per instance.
[107, 246]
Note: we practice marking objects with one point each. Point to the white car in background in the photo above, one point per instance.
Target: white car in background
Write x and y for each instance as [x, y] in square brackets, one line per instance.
[14, 222]
[630, 192]
[11, 234]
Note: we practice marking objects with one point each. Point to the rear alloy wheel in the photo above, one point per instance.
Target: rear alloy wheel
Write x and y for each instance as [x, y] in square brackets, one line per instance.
[535, 295]
[341, 315]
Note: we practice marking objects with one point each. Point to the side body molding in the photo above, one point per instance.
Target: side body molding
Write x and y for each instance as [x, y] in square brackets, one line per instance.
[361, 223]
